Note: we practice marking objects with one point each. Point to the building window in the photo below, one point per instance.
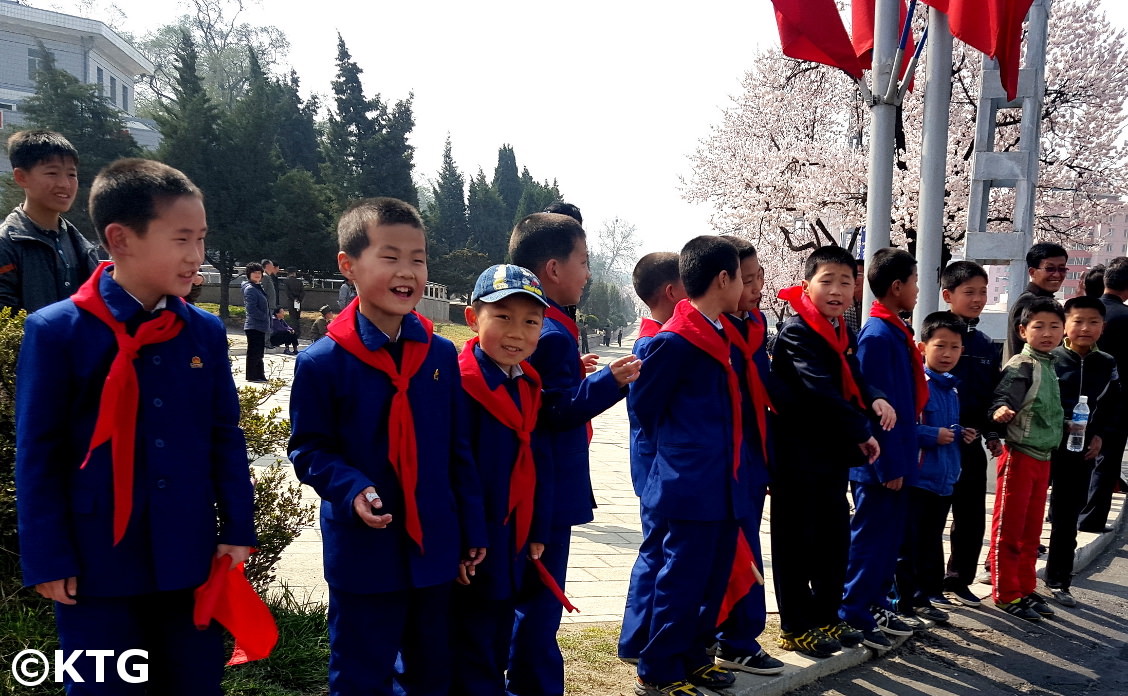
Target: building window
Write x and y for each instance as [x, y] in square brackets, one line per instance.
[113, 89]
[34, 59]
[100, 80]
[124, 98]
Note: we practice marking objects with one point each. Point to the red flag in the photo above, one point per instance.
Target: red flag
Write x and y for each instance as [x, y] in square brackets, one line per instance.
[993, 27]
[813, 30]
[862, 20]
[1008, 47]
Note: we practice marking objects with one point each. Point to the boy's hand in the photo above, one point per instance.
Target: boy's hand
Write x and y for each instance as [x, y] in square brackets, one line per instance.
[1094, 447]
[885, 413]
[590, 362]
[969, 435]
[473, 557]
[536, 550]
[995, 447]
[895, 484]
[239, 554]
[625, 369]
[870, 449]
[61, 591]
[1003, 414]
[463, 575]
[944, 436]
[367, 505]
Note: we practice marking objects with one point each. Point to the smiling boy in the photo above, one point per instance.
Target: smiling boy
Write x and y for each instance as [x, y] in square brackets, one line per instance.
[43, 258]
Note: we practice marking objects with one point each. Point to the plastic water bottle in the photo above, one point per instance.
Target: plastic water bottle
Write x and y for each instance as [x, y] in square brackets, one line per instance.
[1077, 427]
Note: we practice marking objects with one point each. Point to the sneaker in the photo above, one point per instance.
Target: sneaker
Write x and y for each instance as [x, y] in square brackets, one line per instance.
[628, 660]
[914, 622]
[932, 614]
[891, 623]
[812, 642]
[1038, 604]
[1042, 550]
[874, 638]
[711, 676]
[962, 594]
[677, 688]
[844, 633]
[941, 601]
[984, 578]
[1021, 609]
[1062, 597]
[760, 663]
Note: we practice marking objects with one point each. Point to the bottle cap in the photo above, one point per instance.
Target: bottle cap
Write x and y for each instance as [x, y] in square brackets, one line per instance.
[1084, 399]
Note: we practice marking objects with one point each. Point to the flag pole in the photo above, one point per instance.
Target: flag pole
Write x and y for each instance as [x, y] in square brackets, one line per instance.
[899, 58]
[910, 71]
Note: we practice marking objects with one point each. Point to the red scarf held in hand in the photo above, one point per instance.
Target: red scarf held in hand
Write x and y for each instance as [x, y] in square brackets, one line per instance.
[403, 450]
[648, 328]
[228, 598]
[837, 338]
[550, 582]
[553, 312]
[748, 347]
[880, 311]
[117, 408]
[689, 323]
[745, 573]
[520, 419]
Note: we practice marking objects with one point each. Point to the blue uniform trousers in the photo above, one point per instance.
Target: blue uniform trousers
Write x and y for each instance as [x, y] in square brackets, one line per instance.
[876, 532]
[183, 661]
[696, 563]
[746, 622]
[536, 667]
[480, 633]
[368, 632]
[636, 615]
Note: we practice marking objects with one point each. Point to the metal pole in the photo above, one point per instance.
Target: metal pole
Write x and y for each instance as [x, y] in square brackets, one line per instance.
[933, 165]
[879, 192]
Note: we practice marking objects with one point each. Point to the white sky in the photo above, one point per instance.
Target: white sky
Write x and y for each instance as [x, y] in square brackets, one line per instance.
[610, 97]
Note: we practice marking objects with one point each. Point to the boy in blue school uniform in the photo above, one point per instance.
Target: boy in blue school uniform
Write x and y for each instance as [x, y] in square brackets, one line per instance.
[658, 285]
[506, 312]
[920, 567]
[738, 648]
[688, 400]
[964, 288]
[379, 430]
[892, 365]
[554, 248]
[119, 484]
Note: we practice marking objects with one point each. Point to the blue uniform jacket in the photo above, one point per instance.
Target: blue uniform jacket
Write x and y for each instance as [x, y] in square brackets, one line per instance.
[339, 445]
[808, 395]
[681, 400]
[978, 372]
[569, 401]
[884, 358]
[641, 449]
[495, 451]
[191, 486]
[939, 464]
[758, 468]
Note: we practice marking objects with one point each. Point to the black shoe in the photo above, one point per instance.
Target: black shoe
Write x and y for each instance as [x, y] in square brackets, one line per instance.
[760, 663]
[1038, 604]
[1021, 609]
[1062, 596]
[874, 638]
[1042, 550]
[931, 613]
[941, 602]
[962, 594]
[844, 633]
[812, 642]
[890, 623]
[711, 676]
[677, 688]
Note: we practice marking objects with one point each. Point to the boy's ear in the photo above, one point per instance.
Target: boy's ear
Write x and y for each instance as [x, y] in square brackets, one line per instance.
[920, 347]
[551, 270]
[806, 287]
[117, 238]
[20, 175]
[344, 264]
[471, 318]
[947, 295]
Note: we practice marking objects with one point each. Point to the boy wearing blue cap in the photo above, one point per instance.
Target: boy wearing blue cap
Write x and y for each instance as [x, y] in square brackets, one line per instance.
[506, 312]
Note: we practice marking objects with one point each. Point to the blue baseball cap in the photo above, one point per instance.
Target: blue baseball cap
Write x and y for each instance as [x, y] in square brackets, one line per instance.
[505, 279]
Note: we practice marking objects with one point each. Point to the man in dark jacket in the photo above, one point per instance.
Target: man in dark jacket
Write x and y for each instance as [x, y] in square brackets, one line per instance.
[295, 293]
[1046, 263]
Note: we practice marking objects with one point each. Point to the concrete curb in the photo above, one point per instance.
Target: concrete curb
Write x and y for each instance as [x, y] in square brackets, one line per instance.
[801, 670]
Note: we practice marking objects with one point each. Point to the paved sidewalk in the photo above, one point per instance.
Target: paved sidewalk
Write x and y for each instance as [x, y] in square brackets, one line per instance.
[604, 550]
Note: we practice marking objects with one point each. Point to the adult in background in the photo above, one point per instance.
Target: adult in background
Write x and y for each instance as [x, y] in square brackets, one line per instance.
[1092, 281]
[1046, 263]
[346, 294]
[295, 293]
[269, 271]
[1114, 340]
[257, 323]
[853, 314]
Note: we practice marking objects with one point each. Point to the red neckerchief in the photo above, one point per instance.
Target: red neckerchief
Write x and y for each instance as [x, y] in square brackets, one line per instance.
[554, 312]
[117, 408]
[838, 339]
[691, 324]
[759, 394]
[228, 598]
[882, 312]
[521, 419]
[403, 450]
[649, 328]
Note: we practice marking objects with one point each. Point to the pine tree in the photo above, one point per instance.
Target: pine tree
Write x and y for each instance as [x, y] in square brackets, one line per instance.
[447, 216]
[535, 196]
[302, 217]
[507, 182]
[297, 126]
[489, 221]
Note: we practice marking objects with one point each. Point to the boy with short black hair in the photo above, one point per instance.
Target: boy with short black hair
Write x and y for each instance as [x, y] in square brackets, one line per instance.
[920, 565]
[506, 312]
[658, 285]
[1046, 263]
[379, 430]
[689, 404]
[891, 363]
[120, 537]
[1028, 401]
[816, 367]
[43, 258]
[1083, 370]
[964, 288]
[554, 248]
